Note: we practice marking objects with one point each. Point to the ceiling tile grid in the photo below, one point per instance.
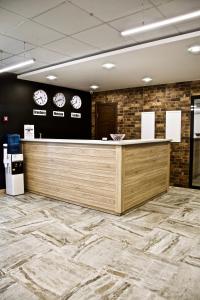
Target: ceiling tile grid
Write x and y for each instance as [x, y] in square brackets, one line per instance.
[30, 8]
[71, 29]
[138, 19]
[13, 46]
[103, 37]
[178, 7]
[72, 47]
[67, 19]
[9, 20]
[47, 56]
[34, 33]
[108, 10]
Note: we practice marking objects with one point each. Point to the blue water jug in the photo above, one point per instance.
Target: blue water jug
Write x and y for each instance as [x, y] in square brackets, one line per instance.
[13, 141]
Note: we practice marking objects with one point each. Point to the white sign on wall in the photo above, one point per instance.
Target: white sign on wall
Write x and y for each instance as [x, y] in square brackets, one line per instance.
[58, 113]
[76, 115]
[148, 125]
[39, 112]
[173, 125]
[29, 132]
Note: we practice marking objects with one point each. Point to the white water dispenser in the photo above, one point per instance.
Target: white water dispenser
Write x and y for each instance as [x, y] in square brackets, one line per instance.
[13, 162]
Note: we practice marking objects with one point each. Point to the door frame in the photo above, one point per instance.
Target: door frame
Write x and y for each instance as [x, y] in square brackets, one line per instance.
[114, 104]
[192, 142]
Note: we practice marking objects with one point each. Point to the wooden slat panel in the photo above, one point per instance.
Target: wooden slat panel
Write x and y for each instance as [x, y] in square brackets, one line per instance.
[85, 174]
[145, 174]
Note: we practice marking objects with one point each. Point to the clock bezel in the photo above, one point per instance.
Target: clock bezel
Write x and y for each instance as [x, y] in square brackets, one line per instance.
[79, 100]
[54, 101]
[35, 100]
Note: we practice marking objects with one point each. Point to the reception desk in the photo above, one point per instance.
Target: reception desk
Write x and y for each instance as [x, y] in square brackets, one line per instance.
[113, 176]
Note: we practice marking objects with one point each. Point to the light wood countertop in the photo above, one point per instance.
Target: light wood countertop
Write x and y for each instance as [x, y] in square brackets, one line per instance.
[97, 142]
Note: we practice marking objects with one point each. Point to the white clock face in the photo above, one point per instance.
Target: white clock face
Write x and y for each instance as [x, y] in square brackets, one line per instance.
[76, 102]
[40, 97]
[59, 100]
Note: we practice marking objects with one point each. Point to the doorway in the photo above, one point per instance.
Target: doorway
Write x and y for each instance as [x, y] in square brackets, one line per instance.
[195, 143]
[105, 120]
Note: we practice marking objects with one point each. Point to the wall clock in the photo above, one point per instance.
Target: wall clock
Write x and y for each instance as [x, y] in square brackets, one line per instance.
[59, 100]
[40, 97]
[76, 102]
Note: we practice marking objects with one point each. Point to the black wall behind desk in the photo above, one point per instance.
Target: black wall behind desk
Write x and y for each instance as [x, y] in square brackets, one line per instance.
[16, 102]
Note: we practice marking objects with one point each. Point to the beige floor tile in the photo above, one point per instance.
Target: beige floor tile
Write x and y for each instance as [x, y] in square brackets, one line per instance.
[52, 250]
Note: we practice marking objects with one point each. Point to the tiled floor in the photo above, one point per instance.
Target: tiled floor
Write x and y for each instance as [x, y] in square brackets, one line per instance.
[54, 250]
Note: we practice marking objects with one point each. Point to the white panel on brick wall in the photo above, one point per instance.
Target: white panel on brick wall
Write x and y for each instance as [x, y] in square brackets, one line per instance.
[173, 125]
[148, 125]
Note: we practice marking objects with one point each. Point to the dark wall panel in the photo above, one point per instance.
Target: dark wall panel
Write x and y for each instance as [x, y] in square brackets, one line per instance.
[16, 102]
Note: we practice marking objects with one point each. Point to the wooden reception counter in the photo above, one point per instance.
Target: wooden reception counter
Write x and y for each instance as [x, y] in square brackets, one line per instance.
[112, 176]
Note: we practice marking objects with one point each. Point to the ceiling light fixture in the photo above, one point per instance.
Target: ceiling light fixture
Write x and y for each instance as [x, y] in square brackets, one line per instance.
[194, 49]
[108, 66]
[17, 66]
[94, 87]
[147, 79]
[163, 23]
[51, 77]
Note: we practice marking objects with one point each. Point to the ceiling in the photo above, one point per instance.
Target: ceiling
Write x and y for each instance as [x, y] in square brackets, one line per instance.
[57, 31]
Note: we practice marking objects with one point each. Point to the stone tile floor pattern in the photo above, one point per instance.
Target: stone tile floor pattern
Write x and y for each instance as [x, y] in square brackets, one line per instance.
[55, 250]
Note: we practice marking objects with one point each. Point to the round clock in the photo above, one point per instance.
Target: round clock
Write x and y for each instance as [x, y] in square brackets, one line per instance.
[59, 100]
[40, 97]
[76, 102]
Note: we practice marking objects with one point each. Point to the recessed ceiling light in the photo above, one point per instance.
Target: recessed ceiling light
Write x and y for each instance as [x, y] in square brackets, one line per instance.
[194, 49]
[163, 23]
[147, 79]
[51, 77]
[108, 66]
[17, 66]
[94, 87]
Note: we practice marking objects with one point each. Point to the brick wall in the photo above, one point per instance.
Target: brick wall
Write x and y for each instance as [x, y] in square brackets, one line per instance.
[131, 102]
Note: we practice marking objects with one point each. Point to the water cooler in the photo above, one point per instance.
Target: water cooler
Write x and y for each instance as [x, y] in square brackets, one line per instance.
[13, 162]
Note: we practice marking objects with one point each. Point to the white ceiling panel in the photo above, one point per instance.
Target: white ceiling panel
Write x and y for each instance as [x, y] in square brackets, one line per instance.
[71, 47]
[103, 37]
[9, 20]
[11, 45]
[45, 55]
[68, 19]
[34, 33]
[179, 7]
[159, 2]
[3, 56]
[148, 16]
[108, 10]
[29, 8]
